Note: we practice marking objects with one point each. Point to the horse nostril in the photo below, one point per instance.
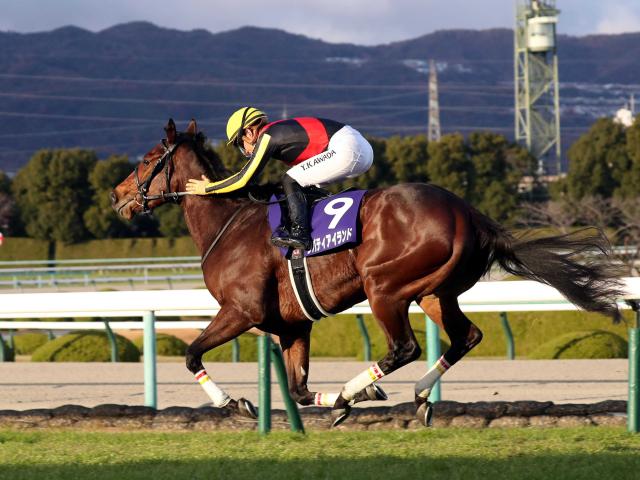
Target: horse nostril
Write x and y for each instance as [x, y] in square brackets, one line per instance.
[113, 197]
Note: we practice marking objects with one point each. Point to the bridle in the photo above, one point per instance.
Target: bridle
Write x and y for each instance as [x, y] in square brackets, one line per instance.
[163, 163]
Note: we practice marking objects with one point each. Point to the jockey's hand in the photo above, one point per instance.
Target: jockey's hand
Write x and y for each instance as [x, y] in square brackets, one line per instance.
[197, 187]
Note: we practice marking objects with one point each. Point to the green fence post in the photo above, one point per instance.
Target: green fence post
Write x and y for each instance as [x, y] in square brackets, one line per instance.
[511, 348]
[12, 344]
[4, 351]
[433, 354]
[51, 335]
[235, 350]
[365, 338]
[264, 384]
[292, 409]
[112, 341]
[633, 403]
[150, 373]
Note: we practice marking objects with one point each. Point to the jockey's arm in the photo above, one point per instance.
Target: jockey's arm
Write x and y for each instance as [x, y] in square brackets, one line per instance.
[252, 168]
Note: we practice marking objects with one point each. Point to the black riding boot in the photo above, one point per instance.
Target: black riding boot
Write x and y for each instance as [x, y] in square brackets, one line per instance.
[299, 236]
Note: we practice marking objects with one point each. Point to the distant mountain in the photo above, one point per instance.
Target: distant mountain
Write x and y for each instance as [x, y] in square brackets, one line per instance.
[113, 90]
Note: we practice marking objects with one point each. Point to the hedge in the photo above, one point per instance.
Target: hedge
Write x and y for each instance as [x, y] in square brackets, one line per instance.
[166, 345]
[128, 248]
[17, 248]
[585, 344]
[27, 343]
[248, 350]
[85, 346]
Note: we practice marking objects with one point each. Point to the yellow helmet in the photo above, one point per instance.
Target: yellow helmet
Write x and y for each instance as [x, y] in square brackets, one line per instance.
[241, 119]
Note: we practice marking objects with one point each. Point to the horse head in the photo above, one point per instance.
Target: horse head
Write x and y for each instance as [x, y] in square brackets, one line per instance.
[163, 172]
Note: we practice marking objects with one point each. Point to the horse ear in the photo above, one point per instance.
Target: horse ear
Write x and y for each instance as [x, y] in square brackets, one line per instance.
[170, 130]
[192, 128]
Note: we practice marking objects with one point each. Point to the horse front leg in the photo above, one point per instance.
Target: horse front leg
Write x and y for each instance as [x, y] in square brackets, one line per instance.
[295, 349]
[227, 325]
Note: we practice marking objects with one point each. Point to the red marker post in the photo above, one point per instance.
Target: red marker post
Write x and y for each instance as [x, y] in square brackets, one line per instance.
[1, 239]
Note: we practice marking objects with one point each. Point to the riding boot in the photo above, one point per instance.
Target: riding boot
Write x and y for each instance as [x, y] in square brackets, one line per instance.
[299, 236]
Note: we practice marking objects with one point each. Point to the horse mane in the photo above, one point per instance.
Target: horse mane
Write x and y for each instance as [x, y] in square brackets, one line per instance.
[215, 169]
[206, 155]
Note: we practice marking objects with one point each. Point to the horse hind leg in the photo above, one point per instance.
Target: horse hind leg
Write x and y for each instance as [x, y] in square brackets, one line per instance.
[403, 349]
[295, 349]
[463, 334]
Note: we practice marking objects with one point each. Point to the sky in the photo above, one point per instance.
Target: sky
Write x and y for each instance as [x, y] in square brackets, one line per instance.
[364, 22]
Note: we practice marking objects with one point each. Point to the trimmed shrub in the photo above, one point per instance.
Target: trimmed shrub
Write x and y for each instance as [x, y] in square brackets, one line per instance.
[248, 350]
[585, 344]
[166, 345]
[27, 343]
[85, 346]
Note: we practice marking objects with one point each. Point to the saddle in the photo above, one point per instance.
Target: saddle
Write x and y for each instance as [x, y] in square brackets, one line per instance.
[334, 226]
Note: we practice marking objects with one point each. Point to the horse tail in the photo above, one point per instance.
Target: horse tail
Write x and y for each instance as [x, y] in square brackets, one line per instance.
[590, 284]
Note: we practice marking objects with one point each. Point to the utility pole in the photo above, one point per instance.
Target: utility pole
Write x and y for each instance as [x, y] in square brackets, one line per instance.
[537, 98]
[434, 106]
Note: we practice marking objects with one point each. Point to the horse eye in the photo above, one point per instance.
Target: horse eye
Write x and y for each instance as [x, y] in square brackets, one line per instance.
[146, 162]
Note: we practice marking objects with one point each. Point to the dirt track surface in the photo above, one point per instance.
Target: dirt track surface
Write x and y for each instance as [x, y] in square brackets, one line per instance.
[48, 385]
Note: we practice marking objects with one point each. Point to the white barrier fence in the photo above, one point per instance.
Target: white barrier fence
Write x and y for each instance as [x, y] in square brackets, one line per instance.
[483, 297]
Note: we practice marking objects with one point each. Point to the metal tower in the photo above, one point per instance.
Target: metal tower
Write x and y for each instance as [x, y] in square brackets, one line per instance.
[434, 106]
[537, 99]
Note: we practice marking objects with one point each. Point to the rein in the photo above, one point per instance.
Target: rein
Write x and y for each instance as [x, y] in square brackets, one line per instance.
[220, 234]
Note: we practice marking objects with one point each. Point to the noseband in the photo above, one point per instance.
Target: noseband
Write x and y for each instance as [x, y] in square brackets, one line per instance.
[163, 163]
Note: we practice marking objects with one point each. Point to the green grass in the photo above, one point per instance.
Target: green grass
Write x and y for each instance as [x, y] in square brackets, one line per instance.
[449, 454]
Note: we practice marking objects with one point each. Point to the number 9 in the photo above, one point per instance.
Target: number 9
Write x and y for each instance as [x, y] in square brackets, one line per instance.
[337, 213]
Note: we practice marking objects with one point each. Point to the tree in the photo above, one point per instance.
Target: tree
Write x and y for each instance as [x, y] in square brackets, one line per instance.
[53, 192]
[9, 217]
[629, 178]
[597, 161]
[408, 157]
[494, 185]
[449, 165]
[100, 219]
[5, 183]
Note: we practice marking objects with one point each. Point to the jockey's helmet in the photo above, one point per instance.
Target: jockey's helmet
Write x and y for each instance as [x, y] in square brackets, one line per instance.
[241, 119]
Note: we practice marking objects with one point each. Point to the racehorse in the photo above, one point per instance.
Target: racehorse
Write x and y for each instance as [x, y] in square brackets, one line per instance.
[419, 243]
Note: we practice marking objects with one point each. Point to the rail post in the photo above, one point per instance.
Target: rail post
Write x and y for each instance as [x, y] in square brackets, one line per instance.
[235, 350]
[150, 373]
[12, 343]
[292, 409]
[264, 384]
[511, 348]
[433, 354]
[633, 403]
[4, 350]
[365, 338]
[112, 341]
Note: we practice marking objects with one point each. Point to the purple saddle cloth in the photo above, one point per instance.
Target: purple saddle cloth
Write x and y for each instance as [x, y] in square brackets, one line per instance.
[334, 222]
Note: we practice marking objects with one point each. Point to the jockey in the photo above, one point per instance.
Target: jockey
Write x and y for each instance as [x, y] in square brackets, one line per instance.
[319, 152]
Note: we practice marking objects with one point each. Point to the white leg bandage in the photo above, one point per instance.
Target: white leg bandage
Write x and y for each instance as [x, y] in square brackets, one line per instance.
[216, 394]
[425, 384]
[363, 380]
[325, 399]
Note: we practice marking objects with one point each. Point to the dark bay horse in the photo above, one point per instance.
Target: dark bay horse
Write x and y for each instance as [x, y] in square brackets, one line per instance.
[419, 243]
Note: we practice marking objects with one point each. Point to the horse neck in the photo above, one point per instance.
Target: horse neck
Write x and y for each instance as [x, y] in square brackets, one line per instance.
[205, 218]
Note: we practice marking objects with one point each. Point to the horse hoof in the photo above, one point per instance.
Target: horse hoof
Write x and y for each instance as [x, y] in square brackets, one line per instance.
[374, 392]
[424, 413]
[339, 415]
[246, 409]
